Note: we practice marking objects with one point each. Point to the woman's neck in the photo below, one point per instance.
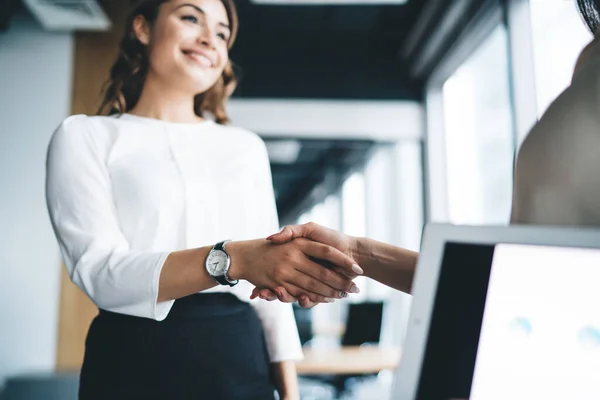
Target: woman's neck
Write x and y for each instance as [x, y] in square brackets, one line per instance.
[163, 102]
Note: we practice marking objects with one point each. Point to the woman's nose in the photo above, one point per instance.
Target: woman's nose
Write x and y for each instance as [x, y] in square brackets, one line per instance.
[206, 38]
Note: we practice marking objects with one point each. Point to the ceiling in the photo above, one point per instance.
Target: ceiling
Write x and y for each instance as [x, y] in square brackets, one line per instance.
[322, 52]
[319, 51]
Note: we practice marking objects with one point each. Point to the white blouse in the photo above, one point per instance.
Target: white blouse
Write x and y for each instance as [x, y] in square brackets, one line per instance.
[123, 192]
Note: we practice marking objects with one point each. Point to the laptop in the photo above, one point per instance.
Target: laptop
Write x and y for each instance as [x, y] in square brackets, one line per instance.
[503, 313]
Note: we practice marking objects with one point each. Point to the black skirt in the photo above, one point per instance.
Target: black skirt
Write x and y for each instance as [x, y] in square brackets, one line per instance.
[211, 346]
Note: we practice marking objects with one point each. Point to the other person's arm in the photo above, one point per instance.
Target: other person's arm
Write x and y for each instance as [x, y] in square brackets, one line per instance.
[390, 265]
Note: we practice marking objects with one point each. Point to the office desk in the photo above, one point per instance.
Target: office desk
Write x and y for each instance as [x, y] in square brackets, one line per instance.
[348, 360]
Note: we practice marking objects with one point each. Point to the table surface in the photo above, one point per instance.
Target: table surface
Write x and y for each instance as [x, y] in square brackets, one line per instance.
[348, 360]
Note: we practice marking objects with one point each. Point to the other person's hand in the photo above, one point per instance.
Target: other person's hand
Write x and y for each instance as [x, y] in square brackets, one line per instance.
[344, 243]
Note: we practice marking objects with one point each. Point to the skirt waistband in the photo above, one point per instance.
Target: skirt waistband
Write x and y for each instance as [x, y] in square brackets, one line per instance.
[199, 305]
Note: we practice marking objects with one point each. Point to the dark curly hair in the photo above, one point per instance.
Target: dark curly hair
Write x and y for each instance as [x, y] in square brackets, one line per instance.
[128, 74]
[590, 12]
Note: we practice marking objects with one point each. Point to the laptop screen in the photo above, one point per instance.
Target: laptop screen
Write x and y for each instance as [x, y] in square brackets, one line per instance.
[512, 322]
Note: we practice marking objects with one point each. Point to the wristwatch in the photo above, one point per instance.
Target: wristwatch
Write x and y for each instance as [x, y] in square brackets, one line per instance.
[217, 264]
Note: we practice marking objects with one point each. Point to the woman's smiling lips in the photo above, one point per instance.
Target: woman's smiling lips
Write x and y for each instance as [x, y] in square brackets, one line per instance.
[201, 57]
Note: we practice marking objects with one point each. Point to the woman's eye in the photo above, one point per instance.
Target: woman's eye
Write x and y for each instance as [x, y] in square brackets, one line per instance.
[190, 18]
[222, 36]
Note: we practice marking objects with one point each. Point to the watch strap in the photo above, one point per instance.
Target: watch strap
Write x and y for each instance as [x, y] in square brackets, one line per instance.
[222, 280]
[221, 245]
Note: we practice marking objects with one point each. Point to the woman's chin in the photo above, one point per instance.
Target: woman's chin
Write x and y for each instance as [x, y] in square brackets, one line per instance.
[200, 81]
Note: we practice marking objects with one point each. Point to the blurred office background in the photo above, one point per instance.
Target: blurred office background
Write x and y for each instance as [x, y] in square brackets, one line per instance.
[379, 116]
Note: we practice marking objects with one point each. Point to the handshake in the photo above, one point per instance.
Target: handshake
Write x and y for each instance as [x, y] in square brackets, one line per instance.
[308, 264]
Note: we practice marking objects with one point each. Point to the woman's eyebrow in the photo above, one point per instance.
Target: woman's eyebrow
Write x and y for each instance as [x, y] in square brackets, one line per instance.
[201, 11]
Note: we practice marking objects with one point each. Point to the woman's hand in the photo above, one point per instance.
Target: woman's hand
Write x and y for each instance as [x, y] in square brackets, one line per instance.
[290, 267]
[344, 243]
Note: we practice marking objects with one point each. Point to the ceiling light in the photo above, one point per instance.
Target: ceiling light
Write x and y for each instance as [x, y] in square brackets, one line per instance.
[283, 151]
[329, 2]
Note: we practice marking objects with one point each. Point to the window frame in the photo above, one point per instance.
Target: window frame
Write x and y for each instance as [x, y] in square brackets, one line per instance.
[522, 67]
[436, 184]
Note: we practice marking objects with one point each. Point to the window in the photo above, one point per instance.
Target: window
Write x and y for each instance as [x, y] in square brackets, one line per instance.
[354, 218]
[325, 213]
[353, 205]
[558, 34]
[478, 135]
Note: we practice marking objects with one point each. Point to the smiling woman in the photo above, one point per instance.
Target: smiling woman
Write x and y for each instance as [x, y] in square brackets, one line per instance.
[143, 201]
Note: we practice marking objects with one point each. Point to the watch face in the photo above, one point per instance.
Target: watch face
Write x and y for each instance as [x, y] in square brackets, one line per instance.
[216, 263]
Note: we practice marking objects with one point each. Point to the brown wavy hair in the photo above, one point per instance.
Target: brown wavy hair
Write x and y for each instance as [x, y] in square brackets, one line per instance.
[127, 75]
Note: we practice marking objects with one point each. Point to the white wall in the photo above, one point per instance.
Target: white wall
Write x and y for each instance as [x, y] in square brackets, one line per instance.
[35, 88]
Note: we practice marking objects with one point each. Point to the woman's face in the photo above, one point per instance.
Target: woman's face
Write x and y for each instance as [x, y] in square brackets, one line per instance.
[187, 43]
